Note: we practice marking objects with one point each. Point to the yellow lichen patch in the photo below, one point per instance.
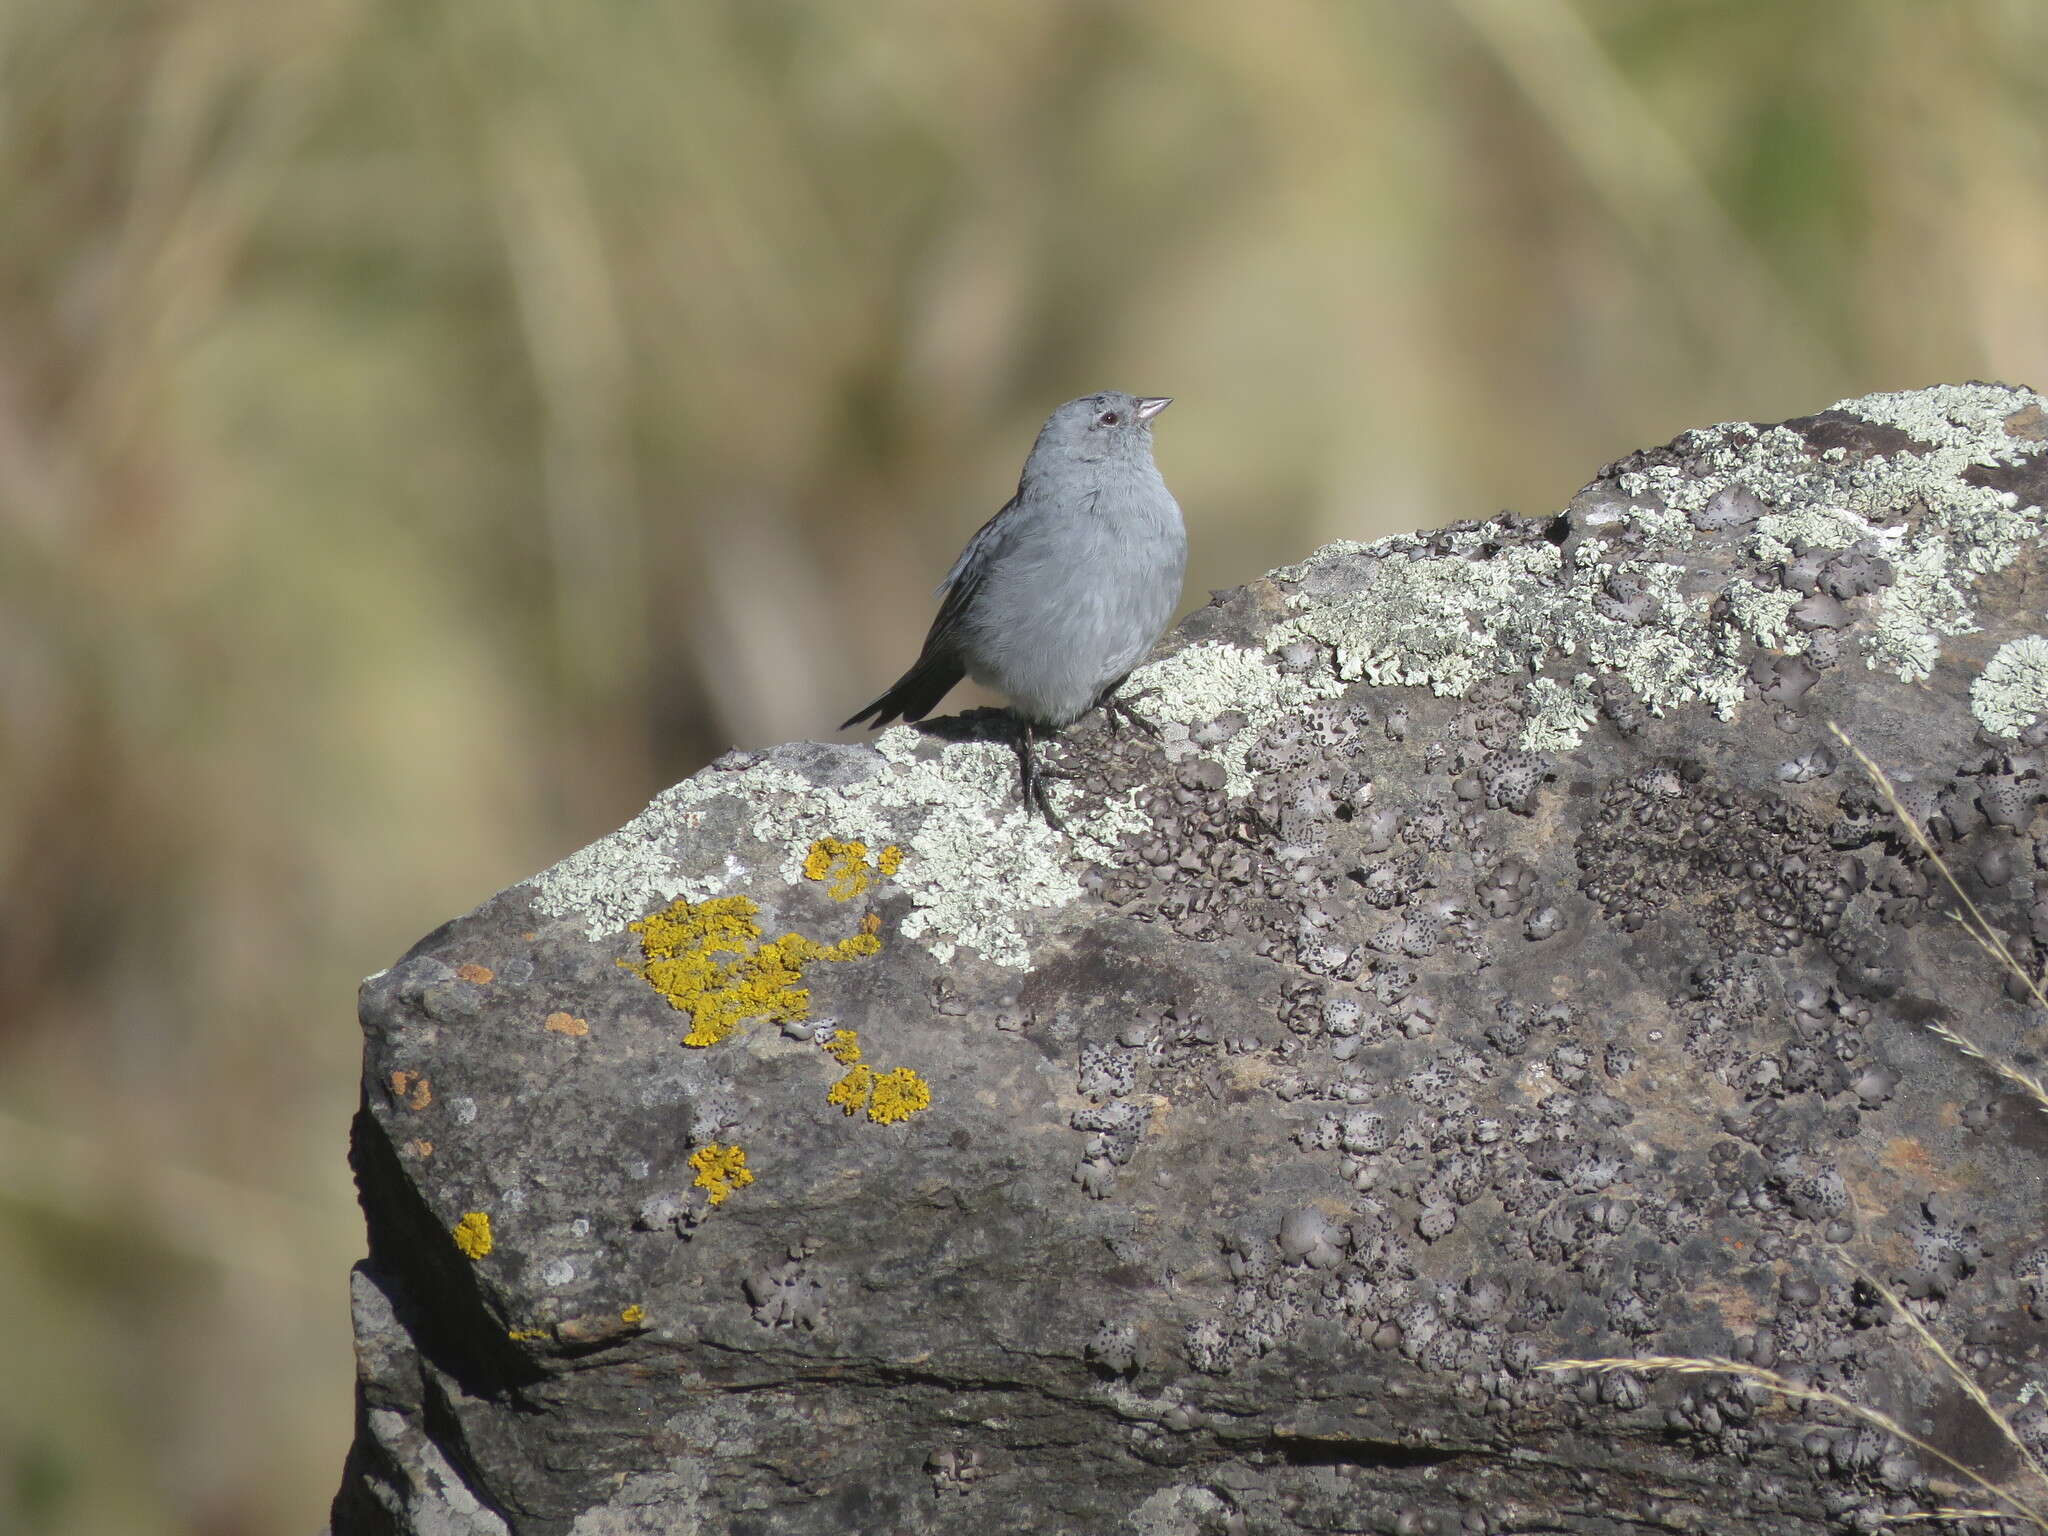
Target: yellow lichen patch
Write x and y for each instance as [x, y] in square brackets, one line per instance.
[482, 975]
[829, 854]
[887, 1097]
[683, 942]
[846, 866]
[851, 1092]
[567, 1024]
[411, 1089]
[898, 1095]
[473, 1235]
[525, 1335]
[633, 1316]
[720, 1170]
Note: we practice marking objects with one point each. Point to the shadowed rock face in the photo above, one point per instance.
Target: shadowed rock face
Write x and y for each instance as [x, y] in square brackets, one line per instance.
[1494, 959]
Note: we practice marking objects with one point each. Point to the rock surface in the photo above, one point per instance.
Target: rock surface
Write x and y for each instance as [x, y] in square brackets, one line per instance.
[1494, 959]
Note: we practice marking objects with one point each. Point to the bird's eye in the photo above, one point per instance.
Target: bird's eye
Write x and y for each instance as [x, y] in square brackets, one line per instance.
[1108, 419]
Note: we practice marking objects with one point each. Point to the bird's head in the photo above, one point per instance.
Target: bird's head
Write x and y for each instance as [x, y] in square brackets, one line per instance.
[1110, 424]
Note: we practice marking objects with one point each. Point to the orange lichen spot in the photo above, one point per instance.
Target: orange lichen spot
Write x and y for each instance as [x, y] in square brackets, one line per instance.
[419, 1148]
[871, 923]
[473, 1235]
[633, 1316]
[683, 945]
[1903, 1154]
[898, 1095]
[720, 1170]
[851, 1092]
[411, 1089]
[844, 1047]
[567, 1024]
[482, 975]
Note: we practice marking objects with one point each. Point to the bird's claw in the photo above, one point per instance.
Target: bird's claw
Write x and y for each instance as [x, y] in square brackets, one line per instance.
[1116, 714]
[1032, 778]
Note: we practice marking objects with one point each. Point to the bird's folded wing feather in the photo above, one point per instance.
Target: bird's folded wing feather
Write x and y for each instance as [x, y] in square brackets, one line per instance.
[968, 573]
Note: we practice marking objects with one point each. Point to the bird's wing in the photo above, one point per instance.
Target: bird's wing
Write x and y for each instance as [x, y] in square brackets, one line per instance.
[969, 571]
[938, 666]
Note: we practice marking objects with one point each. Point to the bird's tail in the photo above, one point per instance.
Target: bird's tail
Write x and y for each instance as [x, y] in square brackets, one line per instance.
[913, 694]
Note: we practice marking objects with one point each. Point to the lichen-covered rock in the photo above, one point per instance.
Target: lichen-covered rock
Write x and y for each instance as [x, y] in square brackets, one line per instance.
[1495, 958]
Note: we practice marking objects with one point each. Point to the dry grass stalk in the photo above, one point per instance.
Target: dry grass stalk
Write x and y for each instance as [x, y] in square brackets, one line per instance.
[1977, 926]
[1877, 1418]
[2034, 1088]
[1946, 1512]
[1961, 1377]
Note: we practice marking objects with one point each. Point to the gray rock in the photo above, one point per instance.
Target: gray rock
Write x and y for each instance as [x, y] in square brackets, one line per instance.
[1464, 979]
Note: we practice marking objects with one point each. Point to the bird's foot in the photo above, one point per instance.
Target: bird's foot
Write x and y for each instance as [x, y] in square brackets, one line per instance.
[1032, 776]
[1116, 714]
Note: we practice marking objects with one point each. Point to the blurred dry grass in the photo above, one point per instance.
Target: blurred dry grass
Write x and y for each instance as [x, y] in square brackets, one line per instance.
[427, 429]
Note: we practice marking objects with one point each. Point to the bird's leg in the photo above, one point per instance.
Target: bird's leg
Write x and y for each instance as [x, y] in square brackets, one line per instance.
[1116, 712]
[1033, 777]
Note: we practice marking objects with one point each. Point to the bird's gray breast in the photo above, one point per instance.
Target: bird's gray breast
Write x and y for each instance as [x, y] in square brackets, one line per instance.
[1080, 590]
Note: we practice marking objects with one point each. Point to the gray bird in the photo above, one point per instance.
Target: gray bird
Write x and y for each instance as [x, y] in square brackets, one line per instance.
[1063, 592]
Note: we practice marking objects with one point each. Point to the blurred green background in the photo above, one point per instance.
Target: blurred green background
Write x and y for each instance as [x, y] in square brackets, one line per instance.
[427, 429]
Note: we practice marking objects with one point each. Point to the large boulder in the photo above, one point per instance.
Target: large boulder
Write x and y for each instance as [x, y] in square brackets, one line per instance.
[1495, 958]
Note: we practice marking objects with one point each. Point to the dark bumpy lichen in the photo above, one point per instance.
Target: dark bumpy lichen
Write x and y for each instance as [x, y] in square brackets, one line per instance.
[1361, 875]
[1755, 872]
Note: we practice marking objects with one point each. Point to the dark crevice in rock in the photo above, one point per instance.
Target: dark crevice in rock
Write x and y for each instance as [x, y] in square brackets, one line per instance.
[438, 1301]
[1347, 1451]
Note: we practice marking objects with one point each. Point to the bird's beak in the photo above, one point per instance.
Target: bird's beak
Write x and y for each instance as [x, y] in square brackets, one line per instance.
[1148, 408]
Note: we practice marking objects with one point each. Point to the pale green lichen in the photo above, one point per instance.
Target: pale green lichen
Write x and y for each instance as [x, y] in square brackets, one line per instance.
[1966, 416]
[1200, 682]
[1779, 534]
[1915, 507]
[1766, 612]
[1447, 621]
[973, 862]
[1439, 622]
[2012, 691]
[1663, 527]
[1467, 606]
[1921, 606]
[1666, 482]
[1481, 606]
[623, 874]
[1559, 713]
